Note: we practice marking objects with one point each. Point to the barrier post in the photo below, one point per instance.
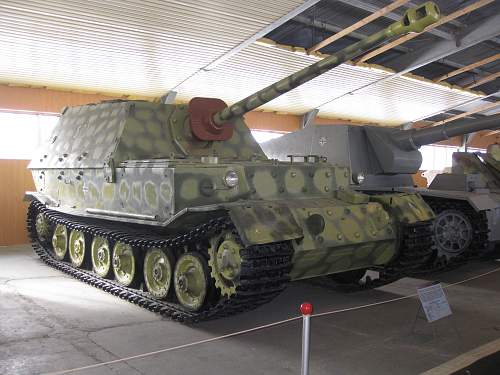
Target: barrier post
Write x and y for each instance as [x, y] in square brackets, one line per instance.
[306, 309]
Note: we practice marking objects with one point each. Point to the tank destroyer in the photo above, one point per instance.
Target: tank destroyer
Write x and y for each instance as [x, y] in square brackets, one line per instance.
[381, 159]
[176, 208]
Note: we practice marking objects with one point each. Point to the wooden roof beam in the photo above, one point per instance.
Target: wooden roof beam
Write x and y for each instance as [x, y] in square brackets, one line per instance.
[468, 67]
[465, 114]
[459, 13]
[493, 132]
[379, 13]
[485, 79]
[371, 6]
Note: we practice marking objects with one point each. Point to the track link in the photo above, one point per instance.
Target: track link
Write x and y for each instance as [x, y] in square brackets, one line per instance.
[416, 243]
[264, 268]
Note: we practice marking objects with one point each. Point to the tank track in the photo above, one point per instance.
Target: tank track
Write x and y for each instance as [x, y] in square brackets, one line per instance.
[416, 250]
[264, 268]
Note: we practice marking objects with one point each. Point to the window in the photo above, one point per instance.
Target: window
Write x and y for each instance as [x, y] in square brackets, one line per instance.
[437, 158]
[474, 149]
[262, 136]
[21, 133]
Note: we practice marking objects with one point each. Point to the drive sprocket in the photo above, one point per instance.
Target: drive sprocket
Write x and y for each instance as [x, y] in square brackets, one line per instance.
[225, 262]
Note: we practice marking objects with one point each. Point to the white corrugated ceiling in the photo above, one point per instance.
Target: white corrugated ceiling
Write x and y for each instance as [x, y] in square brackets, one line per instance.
[393, 101]
[149, 47]
[124, 46]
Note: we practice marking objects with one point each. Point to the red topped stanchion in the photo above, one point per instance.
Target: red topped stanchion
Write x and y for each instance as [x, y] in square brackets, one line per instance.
[306, 309]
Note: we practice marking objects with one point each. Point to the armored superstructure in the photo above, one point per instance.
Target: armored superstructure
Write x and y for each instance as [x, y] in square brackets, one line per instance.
[177, 208]
[384, 160]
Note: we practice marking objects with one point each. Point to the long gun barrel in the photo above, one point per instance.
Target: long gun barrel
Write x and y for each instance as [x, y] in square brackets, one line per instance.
[414, 20]
[414, 138]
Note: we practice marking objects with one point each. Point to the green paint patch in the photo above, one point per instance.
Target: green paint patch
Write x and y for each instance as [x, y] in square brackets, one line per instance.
[235, 139]
[246, 152]
[144, 143]
[343, 262]
[166, 192]
[70, 192]
[127, 141]
[154, 129]
[383, 254]
[79, 191]
[241, 127]
[364, 251]
[134, 127]
[150, 194]
[124, 191]
[265, 184]
[294, 181]
[323, 179]
[351, 230]
[249, 139]
[162, 146]
[190, 189]
[93, 192]
[108, 191]
[144, 114]
[136, 191]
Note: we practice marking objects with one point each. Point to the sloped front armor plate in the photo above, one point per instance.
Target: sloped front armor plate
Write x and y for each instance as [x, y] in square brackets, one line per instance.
[264, 223]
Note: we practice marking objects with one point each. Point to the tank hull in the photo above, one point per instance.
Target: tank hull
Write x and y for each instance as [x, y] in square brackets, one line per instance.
[341, 236]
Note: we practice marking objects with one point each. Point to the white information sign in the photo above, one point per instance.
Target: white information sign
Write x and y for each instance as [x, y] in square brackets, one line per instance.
[434, 302]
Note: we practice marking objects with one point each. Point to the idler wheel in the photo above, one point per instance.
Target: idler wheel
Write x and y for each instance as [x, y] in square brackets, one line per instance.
[191, 281]
[158, 269]
[60, 242]
[453, 233]
[101, 256]
[42, 227]
[125, 264]
[77, 248]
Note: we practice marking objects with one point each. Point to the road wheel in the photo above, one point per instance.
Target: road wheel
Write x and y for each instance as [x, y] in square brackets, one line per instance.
[101, 257]
[60, 242]
[158, 269]
[77, 248]
[191, 281]
[125, 264]
[453, 233]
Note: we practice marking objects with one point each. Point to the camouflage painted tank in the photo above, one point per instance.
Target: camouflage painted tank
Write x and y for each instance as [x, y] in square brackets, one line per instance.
[176, 207]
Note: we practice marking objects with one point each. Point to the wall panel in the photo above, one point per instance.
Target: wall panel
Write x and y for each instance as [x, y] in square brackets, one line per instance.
[15, 179]
[43, 100]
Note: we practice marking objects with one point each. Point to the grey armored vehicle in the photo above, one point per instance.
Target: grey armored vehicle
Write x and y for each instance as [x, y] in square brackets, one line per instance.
[467, 204]
[176, 208]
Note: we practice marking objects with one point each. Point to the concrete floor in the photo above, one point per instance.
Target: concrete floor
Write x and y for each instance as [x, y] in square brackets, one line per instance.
[50, 322]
